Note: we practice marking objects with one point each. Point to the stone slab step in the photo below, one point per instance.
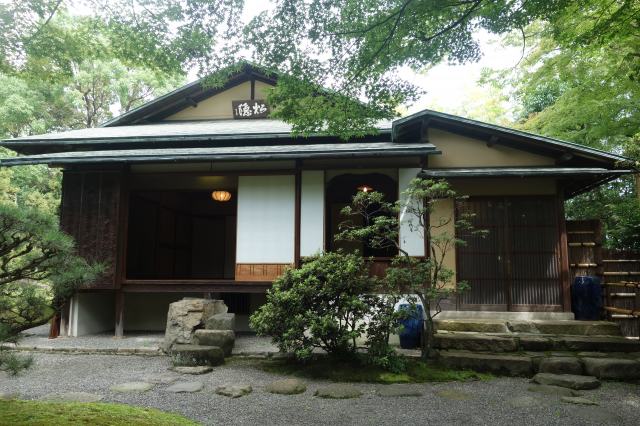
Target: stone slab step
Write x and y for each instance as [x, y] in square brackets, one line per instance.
[571, 381]
[530, 342]
[556, 327]
[503, 365]
[196, 355]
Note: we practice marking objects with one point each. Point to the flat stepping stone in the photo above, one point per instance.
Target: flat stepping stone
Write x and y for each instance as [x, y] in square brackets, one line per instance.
[391, 391]
[570, 381]
[338, 391]
[561, 365]
[577, 400]
[509, 365]
[185, 387]
[234, 391]
[552, 390]
[161, 379]
[132, 387]
[192, 370]
[72, 397]
[287, 387]
[454, 395]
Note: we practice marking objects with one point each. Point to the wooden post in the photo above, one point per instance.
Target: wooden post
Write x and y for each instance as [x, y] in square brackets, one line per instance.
[565, 280]
[119, 326]
[298, 201]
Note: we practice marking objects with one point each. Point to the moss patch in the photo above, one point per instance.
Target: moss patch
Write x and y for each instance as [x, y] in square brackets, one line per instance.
[49, 413]
[357, 371]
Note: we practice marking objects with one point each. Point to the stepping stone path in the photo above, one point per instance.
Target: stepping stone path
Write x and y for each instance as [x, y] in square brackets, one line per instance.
[132, 387]
[196, 355]
[389, 391]
[453, 394]
[192, 370]
[552, 390]
[185, 387]
[570, 381]
[338, 391]
[72, 397]
[577, 400]
[234, 391]
[287, 387]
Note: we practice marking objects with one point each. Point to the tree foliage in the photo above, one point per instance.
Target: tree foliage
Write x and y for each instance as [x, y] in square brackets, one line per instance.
[580, 81]
[319, 305]
[426, 279]
[38, 267]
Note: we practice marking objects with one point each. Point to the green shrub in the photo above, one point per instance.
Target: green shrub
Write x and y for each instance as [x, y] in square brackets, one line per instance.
[322, 304]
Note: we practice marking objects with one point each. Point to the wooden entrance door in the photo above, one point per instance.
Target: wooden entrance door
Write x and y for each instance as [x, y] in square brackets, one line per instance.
[516, 266]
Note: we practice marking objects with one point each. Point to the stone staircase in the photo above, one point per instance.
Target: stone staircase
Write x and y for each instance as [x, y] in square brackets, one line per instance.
[524, 348]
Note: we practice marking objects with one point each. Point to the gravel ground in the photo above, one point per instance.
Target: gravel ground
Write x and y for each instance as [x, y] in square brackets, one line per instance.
[39, 337]
[503, 401]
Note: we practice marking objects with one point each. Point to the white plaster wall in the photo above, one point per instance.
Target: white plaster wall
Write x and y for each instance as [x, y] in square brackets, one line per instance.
[266, 222]
[91, 313]
[312, 213]
[411, 241]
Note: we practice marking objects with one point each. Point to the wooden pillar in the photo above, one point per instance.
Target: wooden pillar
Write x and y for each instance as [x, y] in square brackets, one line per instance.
[298, 219]
[565, 279]
[119, 326]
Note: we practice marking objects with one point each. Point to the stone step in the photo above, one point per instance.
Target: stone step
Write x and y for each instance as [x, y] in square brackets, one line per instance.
[224, 339]
[196, 355]
[545, 364]
[558, 327]
[499, 364]
[530, 342]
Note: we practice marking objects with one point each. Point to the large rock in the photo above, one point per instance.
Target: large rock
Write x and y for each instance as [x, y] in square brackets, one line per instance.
[224, 321]
[222, 338]
[187, 315]
[570, 381]
[287, 387]
[560, 365]
[614, 369]
[196, 355]
[489, 363]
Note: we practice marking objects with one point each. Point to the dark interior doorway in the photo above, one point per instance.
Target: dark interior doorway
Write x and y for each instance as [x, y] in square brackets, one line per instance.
[339, 194]
[180, 235]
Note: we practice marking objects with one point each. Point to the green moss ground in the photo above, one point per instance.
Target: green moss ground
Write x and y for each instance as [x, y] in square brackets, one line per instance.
[35, 413]
[356, 371]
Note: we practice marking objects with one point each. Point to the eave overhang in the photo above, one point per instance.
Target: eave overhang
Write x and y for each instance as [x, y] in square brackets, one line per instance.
[234, 153]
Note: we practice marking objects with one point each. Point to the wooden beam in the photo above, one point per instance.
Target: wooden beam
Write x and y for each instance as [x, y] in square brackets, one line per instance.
[253, 89]
[119, 305]
[565, 279]
[492, 141]
[297, 213]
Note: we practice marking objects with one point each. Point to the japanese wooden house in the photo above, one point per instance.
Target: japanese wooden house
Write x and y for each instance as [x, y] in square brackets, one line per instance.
[138, 196]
